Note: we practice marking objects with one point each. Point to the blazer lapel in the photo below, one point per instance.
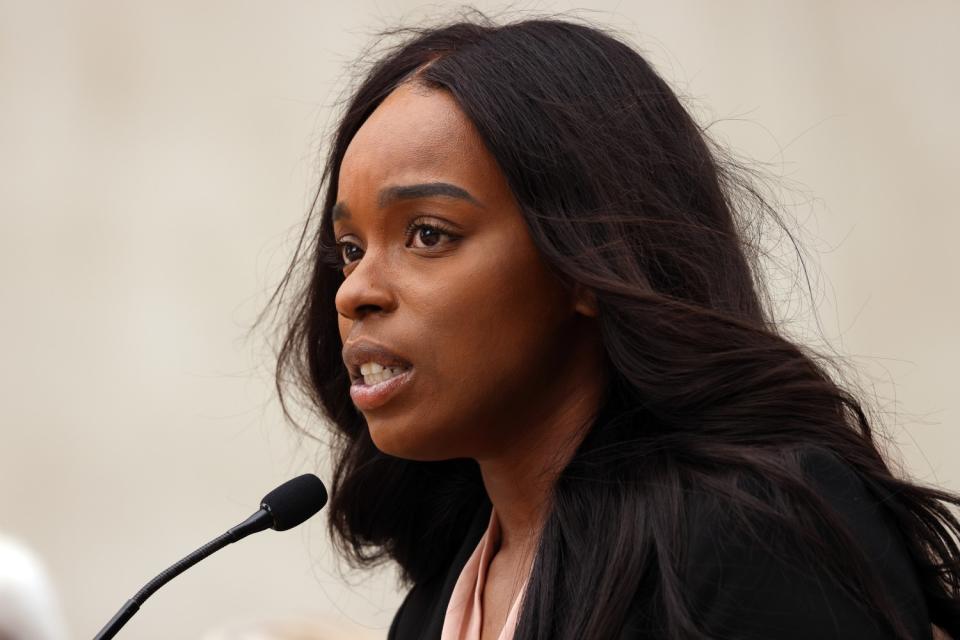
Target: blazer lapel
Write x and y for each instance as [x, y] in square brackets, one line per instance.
[470, 542]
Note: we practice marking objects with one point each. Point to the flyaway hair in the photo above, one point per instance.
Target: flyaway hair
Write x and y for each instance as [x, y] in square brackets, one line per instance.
[624, 193]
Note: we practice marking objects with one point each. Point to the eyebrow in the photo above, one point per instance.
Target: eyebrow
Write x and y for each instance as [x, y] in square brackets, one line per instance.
[389, 195]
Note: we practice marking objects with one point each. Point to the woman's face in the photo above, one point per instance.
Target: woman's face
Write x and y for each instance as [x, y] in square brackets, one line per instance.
[491, 335]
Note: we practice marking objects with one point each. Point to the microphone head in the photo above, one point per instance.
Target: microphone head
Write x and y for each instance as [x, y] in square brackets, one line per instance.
[294, 501]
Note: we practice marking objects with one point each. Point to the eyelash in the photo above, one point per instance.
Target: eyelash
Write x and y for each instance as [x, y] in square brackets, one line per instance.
[334, 257]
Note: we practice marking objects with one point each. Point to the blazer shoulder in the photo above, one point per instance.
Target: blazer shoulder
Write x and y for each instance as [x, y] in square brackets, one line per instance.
[743, 587]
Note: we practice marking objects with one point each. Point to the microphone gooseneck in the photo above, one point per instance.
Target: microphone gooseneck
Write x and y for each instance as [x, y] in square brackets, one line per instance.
[287, 506]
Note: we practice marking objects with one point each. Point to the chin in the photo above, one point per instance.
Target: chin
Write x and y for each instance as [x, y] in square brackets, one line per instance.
[409, 444]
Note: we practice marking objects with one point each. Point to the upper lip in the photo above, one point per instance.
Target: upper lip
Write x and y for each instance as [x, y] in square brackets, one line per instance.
[360, 351]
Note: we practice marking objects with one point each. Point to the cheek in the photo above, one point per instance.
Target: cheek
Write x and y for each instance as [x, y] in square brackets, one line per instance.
[493, 320]
[484, 329]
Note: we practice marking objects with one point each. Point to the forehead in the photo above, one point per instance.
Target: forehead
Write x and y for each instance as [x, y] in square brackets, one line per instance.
[415, 134]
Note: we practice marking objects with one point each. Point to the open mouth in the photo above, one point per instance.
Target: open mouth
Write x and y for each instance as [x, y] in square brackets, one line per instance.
[373, 373]
[376, 389]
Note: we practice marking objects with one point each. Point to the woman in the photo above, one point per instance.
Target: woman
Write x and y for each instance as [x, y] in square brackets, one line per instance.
[533, 318]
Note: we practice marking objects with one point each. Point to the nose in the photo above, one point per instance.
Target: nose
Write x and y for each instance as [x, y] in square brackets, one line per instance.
[366, 289]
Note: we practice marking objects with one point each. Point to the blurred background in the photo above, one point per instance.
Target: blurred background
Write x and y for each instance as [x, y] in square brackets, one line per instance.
[158, 158]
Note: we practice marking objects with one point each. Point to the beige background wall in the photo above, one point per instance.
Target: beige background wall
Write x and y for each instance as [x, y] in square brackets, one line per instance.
[156, 158]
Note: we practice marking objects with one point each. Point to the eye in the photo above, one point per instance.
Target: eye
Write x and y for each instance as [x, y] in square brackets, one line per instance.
[342, 248]
[416, 230]
[429, 235]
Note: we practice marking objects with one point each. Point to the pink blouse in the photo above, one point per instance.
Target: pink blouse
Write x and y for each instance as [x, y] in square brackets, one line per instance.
[465, 611]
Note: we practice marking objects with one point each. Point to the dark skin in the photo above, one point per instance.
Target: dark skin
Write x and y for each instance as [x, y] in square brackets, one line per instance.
[507, 363]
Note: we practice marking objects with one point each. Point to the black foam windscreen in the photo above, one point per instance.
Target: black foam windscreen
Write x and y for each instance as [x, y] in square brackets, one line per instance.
[294, 501]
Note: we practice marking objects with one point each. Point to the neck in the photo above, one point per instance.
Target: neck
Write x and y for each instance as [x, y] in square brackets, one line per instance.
[519, 480]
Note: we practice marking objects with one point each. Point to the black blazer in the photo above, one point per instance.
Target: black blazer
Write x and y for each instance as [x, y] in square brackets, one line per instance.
[739, 591]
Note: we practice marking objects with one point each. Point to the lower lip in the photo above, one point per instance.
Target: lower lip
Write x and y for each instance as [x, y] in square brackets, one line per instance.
[367, 397]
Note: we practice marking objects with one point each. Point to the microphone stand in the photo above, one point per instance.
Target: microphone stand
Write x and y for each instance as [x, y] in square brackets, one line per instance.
[259, 521]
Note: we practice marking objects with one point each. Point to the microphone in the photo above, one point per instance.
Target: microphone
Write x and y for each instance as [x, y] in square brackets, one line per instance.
[285, 507]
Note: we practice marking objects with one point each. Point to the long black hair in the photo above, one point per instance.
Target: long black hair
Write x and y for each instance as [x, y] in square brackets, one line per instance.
[623, 192]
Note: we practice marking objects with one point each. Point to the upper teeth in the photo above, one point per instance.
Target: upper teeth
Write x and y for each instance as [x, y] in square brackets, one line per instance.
[368, 368]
